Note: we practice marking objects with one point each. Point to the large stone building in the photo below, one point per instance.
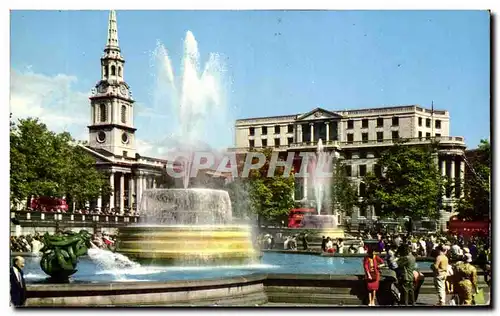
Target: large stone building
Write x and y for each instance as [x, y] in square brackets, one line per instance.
[112, 133]
[358, 136]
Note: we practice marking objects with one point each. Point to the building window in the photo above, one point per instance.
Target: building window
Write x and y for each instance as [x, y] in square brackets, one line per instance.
[428, 135]
[350, 124]
[290, 128]
[124, 114]
[251, 131]
[364, 123]
[377, 169]
[364, 137]
[290, 140]
[251, 143]
[119, 72]
[362, 170]
[380, 137]
[264, 130]
[362, 211]
[125, 153]
[106, 71]
[362, 154]
[102, 112]
[438, 135]
[350, 138]
[420, 134]
[376, 209]
[395, 135]
[348, 155]
[264, 143]
[380, 122]
[395, 121]
[419, 121]
[113, 70]
[277, 142]
[348, 170]
[428, 122]
[362, 189]
[438, 124]
[276, 129]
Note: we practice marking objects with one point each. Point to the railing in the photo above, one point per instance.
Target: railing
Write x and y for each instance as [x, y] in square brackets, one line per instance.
[84, 219]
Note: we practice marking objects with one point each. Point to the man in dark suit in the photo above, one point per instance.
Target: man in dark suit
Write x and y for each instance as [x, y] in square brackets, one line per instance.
[17, 284]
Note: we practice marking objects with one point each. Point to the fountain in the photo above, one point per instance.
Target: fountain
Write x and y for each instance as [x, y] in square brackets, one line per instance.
[188, 225]
[321, 179]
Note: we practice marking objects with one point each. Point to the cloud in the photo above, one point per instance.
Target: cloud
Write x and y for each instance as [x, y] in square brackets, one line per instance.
[53, 99]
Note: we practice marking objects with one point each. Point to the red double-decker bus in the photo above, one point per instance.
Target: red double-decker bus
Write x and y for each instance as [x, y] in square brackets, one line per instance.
[49, 204]
[296, 215]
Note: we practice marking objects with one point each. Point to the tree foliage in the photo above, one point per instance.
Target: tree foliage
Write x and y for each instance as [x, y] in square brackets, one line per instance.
[410, 184]
[475, 205]
[269, 198]
[343, 193]
[43, 163]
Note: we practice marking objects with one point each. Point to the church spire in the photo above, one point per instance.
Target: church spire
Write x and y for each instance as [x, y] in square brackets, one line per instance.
[112, 42]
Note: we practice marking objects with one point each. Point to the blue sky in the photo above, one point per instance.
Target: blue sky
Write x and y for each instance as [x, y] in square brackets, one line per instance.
[277, 62]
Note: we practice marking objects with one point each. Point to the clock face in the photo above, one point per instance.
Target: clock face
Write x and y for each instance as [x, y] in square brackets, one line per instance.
[123, 90]
[101, 137]
[124, 138]
[102, 88]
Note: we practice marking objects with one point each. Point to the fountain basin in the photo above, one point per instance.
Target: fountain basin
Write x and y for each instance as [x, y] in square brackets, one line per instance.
[323, 225]
[187, 244]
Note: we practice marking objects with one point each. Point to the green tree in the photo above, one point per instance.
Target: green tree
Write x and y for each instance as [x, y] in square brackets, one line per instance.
[475, 204]
[343, 193]
[44, 163]
[271, 197]
[410, 184]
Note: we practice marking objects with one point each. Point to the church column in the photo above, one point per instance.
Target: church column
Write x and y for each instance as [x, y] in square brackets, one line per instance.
[131, 191]
[462, 177]
[154, 182]
[299, 133]
[122, 192]
[138, 191]
[113, 193]
[452, 176]
[327, 132]
[443, 173]
[311, 125]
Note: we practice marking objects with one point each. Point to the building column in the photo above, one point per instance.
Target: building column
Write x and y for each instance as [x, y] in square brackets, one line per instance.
[99, 202]
[327, 132]
[452, 176]
[113, 193]
[154, 182]
[131, 191]
[138, 195]
[311, 125]
[122, 192]
[462, 178]
[299, 133]
[443, 174]
[304, 189]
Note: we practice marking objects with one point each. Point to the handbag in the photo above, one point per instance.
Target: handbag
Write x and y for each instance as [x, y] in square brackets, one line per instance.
[478, 298]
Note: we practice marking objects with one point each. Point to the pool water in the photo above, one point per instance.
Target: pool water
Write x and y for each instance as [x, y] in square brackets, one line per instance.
[95, 271]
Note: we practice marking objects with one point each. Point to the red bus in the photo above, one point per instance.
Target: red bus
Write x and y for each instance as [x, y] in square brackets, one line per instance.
[295, 216]
[467, 228]
[45, 203]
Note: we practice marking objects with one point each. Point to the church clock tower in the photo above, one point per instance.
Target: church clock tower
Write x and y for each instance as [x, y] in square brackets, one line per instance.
[111, 103]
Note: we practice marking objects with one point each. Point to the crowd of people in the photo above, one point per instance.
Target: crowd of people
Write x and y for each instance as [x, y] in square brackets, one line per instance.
[87, 211]
[34, 243]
